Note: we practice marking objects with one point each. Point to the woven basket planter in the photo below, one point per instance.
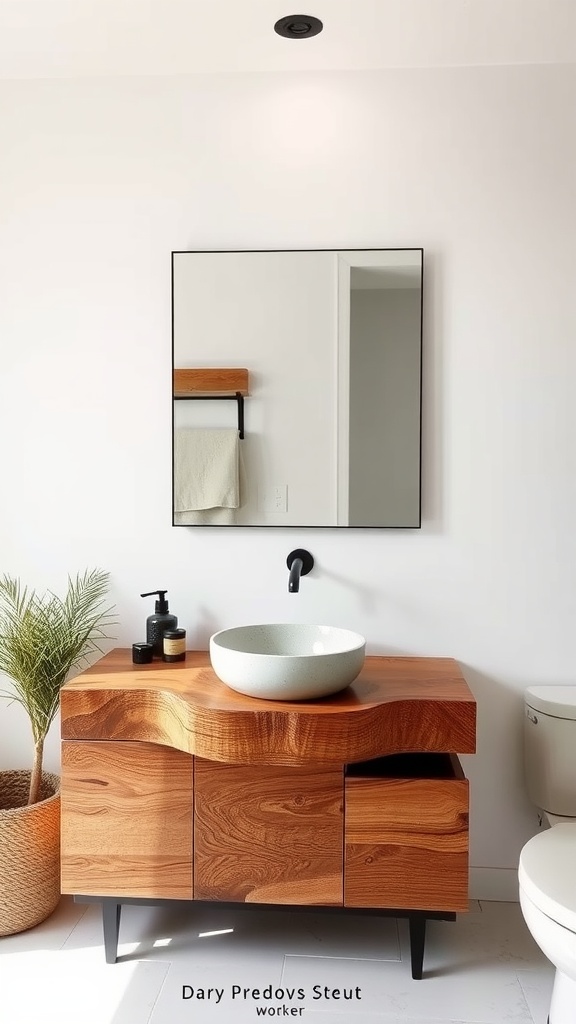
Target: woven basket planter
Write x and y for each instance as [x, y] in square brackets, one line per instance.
[29, 851]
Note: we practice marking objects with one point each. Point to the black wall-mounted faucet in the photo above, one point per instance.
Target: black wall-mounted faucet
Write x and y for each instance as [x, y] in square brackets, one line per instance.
[300, 562]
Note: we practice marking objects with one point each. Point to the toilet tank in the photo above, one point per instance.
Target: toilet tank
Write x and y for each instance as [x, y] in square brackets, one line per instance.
[550, 748]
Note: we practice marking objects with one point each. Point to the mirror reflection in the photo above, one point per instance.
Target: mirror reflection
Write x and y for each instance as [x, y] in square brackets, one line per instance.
[297, 388]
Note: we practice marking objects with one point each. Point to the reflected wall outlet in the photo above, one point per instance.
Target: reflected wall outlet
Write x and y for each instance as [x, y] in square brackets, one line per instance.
[281, 498]
[273, 499]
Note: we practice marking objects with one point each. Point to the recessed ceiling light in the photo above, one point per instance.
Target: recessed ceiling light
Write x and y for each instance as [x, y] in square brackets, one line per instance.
[298, 26]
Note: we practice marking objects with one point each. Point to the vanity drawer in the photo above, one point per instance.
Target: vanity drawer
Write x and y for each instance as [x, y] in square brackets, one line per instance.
[126, 820]
[268, 834]
[406, 833]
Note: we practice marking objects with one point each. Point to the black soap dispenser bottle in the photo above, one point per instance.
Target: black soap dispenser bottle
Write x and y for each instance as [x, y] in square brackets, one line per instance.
[160, 621]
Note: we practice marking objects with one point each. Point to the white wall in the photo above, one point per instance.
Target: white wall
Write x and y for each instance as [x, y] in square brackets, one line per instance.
[102, 179]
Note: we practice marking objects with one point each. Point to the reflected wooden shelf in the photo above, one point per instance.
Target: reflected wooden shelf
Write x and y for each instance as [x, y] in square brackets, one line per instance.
[211, 383]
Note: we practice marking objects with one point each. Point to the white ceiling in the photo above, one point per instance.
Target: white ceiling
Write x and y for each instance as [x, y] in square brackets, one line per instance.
[80, 38]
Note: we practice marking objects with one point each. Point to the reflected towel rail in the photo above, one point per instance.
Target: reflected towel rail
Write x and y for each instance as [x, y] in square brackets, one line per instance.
[237, 397]
[213, 385]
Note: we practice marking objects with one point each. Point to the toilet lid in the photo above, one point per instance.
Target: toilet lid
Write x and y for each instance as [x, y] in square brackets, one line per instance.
[547, 873]
[559, 700]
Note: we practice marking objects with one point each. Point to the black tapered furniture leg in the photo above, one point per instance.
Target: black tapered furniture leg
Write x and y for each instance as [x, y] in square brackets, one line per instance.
[111, 910]
[112, 907]
[417, 923]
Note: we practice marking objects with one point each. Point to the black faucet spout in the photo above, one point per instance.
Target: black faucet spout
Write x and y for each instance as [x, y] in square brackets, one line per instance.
[295, 573]
[300, 562]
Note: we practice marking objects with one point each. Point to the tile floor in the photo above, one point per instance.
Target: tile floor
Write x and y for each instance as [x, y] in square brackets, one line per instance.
[484, 968]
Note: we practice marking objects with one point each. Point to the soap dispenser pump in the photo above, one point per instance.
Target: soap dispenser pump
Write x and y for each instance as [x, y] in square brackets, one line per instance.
[160, 621]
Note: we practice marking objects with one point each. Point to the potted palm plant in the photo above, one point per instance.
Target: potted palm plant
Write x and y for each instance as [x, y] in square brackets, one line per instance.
[42, 639]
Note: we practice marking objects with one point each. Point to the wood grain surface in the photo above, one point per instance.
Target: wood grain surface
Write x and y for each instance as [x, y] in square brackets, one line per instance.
[395, 704]
[406, 842]
[269, 835]
[216, 382]
[126, 820]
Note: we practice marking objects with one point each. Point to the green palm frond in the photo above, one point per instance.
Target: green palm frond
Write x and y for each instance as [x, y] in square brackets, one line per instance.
[42, 638]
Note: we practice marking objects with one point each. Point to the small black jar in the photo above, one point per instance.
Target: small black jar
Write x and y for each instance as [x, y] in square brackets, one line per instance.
[142, 654]
[174, 645]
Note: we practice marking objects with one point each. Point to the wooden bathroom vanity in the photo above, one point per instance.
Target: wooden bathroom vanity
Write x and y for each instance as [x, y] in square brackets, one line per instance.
[174, 787]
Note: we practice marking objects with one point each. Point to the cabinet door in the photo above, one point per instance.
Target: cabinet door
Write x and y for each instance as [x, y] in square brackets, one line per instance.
[406, 839]
[126, 820]
[268, 834]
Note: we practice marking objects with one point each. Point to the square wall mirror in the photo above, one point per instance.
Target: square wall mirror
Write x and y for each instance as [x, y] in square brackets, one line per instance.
[297, 388]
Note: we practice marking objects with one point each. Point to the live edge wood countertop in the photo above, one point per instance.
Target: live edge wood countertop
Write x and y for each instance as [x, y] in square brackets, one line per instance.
[395, 705]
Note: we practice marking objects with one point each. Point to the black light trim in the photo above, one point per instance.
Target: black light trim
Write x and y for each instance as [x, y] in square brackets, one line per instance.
[298, 26]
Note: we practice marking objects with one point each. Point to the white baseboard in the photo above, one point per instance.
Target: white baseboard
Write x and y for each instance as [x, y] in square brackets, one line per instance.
[496, 884]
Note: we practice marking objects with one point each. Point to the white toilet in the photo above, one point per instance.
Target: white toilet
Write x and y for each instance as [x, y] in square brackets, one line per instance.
[547, 869]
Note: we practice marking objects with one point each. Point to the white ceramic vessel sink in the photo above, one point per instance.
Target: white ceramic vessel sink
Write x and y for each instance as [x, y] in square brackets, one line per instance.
[283, 661]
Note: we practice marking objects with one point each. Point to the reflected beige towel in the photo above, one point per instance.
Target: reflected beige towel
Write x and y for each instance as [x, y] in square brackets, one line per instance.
[206, 475]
